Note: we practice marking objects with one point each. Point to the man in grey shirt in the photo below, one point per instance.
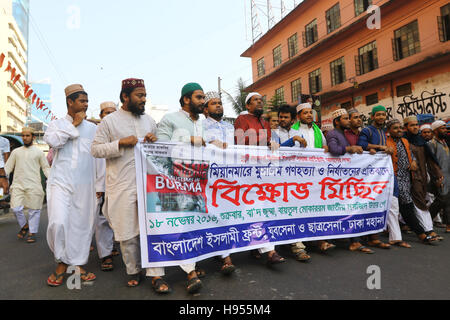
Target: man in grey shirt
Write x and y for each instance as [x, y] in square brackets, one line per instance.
[440, 149]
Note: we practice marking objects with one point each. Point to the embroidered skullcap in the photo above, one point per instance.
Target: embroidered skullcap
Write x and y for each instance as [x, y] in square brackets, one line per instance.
[132, 83]
[338, 113]
[211, 95]
[437, 124]
[390, 123]
[303, 106]
[425, 127]
[28, 129]
[409, 119]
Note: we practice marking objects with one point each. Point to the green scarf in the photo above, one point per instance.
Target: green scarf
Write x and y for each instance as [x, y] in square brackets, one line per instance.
[318, 143]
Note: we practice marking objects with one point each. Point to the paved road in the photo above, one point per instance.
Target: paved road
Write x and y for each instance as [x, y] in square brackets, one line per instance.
[417, 273]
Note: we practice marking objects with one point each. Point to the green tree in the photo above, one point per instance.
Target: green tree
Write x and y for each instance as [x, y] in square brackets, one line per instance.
[238, 101]
[275, 102]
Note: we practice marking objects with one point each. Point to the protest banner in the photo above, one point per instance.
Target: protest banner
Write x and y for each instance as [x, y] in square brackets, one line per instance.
[195, 203]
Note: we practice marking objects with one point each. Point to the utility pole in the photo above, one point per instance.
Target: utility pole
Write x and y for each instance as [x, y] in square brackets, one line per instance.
[220, 87]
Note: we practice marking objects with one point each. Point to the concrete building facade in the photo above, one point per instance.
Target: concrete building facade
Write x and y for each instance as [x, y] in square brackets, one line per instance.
[14, 45]
[337, 50]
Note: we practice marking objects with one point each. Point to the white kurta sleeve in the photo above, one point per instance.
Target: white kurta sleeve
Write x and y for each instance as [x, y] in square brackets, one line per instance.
[165, 130]
[100, 175]
[59, 132]
[102, 147]
[11, 163]
[44, 165]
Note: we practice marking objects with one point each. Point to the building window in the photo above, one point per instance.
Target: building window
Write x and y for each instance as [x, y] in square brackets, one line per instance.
[277, 56]
[361, 6]
[367, 59]
[406, 41]
[310, 35]
[404, 90]
[372, 99]
[337, 68]
[293, 45]
[279, 94]
[296, 90]
[333, 17]
[315, 81]
[346, 105]
[261, 67]
[444, 23]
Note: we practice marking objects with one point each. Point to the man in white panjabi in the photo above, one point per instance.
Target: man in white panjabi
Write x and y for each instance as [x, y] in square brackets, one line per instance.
[26, 189]
[71, 187]
[104, 235]
[116, 137]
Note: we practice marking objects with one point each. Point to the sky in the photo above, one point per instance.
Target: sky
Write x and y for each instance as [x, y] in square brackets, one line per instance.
[167, 43]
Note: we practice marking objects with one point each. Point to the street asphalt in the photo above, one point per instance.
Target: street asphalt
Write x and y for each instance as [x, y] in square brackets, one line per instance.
[417, 273]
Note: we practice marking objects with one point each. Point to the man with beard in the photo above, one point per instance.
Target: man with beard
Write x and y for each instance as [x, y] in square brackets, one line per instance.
[251, 129]
[287, 137]
[307, 129]
[116, 137]
[352, 134]
[71, 187]
[373, 138]
[185, 125]
[314, 138]
[221, 134]
[217, 131]
[404, 168]
[426, 132]
[425, 159]
[26, 189]
[338, 145]
[440, 150]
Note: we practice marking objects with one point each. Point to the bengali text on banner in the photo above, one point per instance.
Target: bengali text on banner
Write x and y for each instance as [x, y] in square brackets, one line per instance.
[196, 203]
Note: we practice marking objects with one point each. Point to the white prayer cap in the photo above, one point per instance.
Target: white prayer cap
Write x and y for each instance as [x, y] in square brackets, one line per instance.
[425, 126]
[437, 124]
[108, 104]
[303, 106]
[338, 113]
[251, 95]
[211, 95]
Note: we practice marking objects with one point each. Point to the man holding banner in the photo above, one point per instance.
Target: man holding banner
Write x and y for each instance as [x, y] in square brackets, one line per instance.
[373, 139]
[339, 145]
[251, 129]
[115, 139]
[307, 129]
[185, 125]
[220, 134]
[404, 169]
